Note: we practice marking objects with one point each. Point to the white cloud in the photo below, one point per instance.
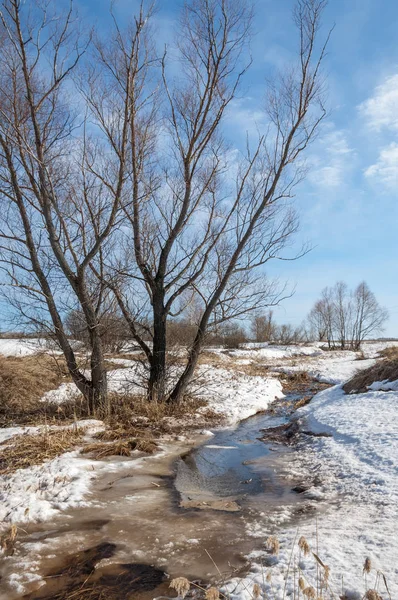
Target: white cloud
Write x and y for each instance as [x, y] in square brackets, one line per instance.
[381, 110]
[243, 117]
[385, 170]
[332, 160]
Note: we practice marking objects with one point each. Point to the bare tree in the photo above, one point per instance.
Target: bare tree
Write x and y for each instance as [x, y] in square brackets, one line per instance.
[369, 316]
[318, 322]
[198, 226]
[60, 191]
[342, 313]
[263, 326]
[346, 318]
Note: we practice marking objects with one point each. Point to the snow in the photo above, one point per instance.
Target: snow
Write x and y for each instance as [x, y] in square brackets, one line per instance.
[90, 425]
[266, 351]
[66, 391]
[235, 395]
[331, 367]
[357, 500]
[20, 347]
[385, 386]
[37, 493]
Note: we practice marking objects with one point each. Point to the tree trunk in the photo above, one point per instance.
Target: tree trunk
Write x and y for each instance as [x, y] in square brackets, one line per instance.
[157, 373]
[99, 384]
[181, 386]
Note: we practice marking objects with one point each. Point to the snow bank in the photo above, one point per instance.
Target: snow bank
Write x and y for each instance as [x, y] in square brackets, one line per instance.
[66, 391]
[37, 493]
[235, 395]
[90, 425]
[265, 351]
[20, 347]
[358, 470]
[333, 367]
[385, 386]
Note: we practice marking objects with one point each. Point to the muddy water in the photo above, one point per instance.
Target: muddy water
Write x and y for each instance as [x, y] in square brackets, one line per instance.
[171, 511]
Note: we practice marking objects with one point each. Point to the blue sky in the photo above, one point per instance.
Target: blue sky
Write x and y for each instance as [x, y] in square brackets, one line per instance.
[348, 205]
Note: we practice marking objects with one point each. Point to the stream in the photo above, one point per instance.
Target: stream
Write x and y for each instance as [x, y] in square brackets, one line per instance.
[175, 512]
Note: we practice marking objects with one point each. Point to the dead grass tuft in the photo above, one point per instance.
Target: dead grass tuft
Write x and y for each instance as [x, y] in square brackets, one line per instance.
[27, 450]
[390, 352]
[23, 381]
[7, 540]
[298, 377]
[302, 402]
[381, 371]
[119, 447]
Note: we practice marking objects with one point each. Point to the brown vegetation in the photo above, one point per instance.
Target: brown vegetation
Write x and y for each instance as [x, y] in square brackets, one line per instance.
[301, 382]
[390, 352]
[100, 450]
[27, 450]
[23, 381]
[381, 371]
[81, 578]
[309, 586]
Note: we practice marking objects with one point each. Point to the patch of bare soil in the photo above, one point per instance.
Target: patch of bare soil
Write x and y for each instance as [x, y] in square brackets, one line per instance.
[222, 504]
[80, 579]
[386, 369]
[302, 383]
[283, 434]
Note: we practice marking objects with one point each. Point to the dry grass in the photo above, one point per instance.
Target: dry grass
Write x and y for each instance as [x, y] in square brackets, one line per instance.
[8, 539]
[384, 369]
[27, 450]
[302, 402]
[391, 353]
[301, 382]
[131, 415]
[23, 381]
[123, 447]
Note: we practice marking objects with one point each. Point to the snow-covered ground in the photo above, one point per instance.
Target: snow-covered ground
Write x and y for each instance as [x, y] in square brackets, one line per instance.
[266, 351]
[235, 395]
[20, 347]
[356, 465]
[330, 367]
[37, 493]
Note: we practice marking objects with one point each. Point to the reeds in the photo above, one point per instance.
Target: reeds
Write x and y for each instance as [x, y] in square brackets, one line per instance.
[314, 584]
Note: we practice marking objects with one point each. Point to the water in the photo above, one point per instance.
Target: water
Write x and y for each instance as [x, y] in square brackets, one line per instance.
[151, 513]
[235, 465]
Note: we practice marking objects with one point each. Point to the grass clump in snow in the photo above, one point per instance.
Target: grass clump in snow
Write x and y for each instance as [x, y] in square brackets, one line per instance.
[23, 381]
[383, 370]
[27, 450]
[391, 352]
[132, 415]
[100, 450]
[135, 423]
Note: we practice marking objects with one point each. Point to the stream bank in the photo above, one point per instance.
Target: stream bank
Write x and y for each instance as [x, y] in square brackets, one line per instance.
[169, 512]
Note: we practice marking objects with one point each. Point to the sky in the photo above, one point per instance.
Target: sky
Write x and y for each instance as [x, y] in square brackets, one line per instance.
[348, 203]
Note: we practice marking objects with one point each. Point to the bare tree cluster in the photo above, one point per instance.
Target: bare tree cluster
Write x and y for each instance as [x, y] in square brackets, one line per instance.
[264, 328]
[344, 318]
[118, 186]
